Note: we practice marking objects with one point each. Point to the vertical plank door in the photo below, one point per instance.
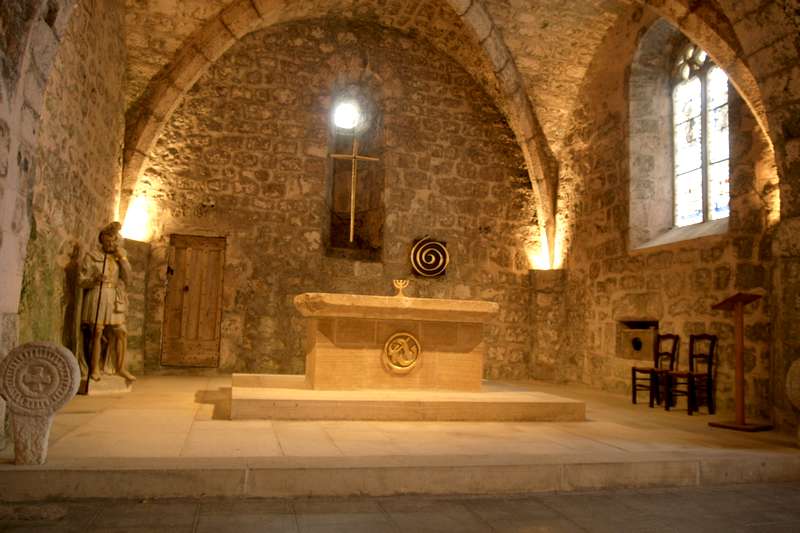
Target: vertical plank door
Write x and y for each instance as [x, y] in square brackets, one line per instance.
[192, 310]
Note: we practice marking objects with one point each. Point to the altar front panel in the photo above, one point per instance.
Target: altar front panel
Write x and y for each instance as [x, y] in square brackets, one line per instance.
[347, 353]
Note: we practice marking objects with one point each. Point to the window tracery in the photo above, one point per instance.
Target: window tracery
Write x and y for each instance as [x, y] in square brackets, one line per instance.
[701, 165]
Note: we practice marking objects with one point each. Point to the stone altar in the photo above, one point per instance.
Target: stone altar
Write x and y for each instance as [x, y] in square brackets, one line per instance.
[349, 341]
[392, 358]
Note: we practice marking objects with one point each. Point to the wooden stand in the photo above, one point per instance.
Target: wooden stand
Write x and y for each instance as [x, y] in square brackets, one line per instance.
[736, 304]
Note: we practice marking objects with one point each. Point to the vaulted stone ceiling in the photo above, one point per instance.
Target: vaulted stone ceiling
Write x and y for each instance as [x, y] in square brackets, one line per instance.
[552, 41]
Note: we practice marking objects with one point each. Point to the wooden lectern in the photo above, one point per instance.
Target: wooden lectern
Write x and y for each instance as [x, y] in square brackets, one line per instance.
[736, 304]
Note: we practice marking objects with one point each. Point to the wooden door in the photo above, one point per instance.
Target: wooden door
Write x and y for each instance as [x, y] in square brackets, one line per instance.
[192, 310]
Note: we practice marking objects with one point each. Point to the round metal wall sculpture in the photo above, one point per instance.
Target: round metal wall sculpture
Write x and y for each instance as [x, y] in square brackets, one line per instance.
[402, 353]
[429, 258]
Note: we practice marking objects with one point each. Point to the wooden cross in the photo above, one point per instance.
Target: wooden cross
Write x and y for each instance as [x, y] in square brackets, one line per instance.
[355, 158]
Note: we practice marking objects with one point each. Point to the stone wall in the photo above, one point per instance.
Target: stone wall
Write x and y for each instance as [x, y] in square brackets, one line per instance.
[77, 167]
[244, 157]
[674, 284]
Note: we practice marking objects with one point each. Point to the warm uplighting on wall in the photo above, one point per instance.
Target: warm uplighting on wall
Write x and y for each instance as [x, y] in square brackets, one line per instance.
[558, 248]
[137, 220]
[538, 255]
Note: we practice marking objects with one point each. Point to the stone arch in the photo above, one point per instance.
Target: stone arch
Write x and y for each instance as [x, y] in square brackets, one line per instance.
[748, 50]
[146, 119]
[711, 30]
[37, 43]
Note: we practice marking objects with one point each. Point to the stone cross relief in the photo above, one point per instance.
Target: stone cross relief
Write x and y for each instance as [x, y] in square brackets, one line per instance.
[354, 157]
[35, 379]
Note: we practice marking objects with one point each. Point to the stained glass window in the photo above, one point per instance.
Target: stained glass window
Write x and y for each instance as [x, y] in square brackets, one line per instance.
[700, 138]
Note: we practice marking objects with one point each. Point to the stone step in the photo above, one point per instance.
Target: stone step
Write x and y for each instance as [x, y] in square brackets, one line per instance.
[385, 476]
[259, 400]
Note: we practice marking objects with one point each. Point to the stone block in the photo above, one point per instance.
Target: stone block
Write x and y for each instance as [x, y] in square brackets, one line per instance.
[214, 40]
[478, 19]
[496, 50]
[160, 479]
[187, 68]
[44, 45]
[594, 476]
[163, 99]
[749, 276]
[241, 18]
[522, 118]
[749, 470]
[344, 480]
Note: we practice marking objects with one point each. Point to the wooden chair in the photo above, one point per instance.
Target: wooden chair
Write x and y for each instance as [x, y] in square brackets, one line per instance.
[650, 378]
[698, 383]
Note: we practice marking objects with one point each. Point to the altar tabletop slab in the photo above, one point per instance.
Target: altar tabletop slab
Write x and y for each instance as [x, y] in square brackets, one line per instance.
[318, 304]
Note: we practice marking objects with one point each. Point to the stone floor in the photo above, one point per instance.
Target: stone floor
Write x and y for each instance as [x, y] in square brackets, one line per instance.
[171, 417]
[172, 437]
[732, 509]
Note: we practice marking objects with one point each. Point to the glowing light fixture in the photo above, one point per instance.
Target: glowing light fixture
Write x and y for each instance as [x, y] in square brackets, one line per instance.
[538, 254]
[347, 115]
[137, 220]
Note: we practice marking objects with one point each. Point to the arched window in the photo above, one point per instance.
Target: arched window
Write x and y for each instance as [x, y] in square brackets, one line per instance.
[701, 166]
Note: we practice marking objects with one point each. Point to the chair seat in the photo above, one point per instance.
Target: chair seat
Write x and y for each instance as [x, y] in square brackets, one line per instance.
[687, 374]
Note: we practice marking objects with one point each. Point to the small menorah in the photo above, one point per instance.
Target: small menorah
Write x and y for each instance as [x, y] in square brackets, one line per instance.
[400, 284]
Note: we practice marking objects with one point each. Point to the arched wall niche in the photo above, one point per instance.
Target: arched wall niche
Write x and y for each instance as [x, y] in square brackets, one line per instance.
[651, 150]
[605, 283]
[243, 156]
[486, 57]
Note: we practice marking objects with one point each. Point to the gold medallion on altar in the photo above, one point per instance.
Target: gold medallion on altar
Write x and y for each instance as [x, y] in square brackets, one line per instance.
[401, 353]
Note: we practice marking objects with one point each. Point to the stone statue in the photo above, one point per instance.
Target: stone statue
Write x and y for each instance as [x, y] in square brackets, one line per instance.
[104, 273]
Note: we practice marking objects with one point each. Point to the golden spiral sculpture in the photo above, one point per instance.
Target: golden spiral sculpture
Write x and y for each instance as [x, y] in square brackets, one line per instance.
[429, 258]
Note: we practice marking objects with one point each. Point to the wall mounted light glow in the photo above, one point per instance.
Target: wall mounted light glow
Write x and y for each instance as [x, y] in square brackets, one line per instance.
[137, 220]
[538, 253]
[346, 115]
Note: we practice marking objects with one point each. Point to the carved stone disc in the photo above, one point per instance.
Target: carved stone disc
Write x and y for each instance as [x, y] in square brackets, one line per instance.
[793, 383]
[401, 353]
[39, 378]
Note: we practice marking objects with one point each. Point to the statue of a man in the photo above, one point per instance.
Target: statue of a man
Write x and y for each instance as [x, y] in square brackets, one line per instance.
[103, 275]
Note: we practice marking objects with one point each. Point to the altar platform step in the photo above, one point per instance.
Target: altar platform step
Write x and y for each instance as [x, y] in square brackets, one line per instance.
[282, 397]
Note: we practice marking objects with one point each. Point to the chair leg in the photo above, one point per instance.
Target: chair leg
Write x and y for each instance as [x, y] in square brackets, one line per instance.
[691, 396]
[653, 388]
[710, 396]
[667, 392]
[659, 386]
[633, 386]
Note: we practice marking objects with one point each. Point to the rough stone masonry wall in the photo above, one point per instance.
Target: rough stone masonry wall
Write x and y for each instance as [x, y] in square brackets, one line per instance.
[77, 166]
[675, 284]
[244, 156]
